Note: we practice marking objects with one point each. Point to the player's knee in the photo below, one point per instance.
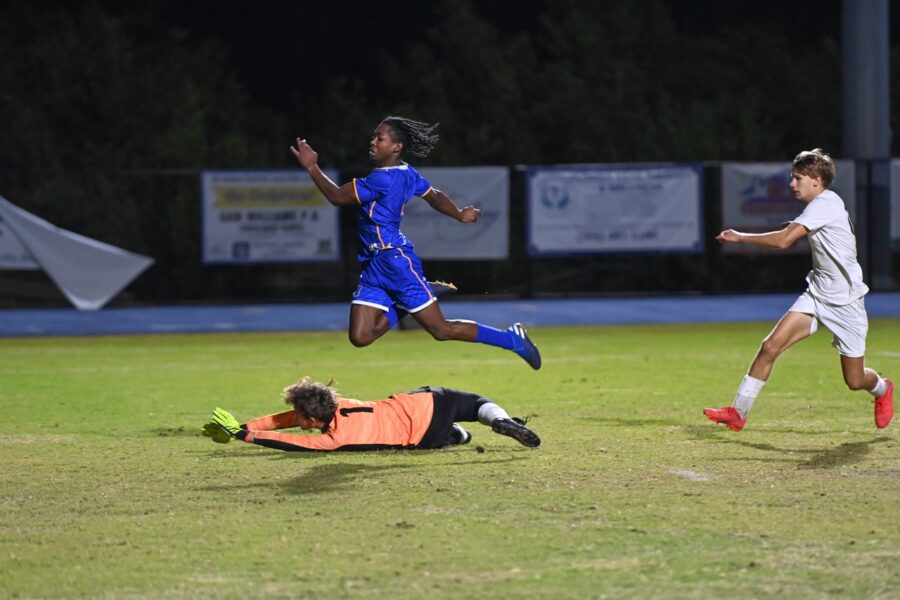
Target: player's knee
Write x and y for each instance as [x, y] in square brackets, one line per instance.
[359, 339]
[770, 348]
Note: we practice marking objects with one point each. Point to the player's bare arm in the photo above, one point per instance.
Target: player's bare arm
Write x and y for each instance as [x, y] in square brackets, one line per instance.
[309, 160]
[781, 239]
[442, 203]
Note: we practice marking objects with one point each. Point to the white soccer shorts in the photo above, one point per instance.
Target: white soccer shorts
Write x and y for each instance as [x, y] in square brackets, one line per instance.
[848, 323]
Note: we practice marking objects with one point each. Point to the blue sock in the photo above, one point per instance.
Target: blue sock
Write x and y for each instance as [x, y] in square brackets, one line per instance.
[494, 337]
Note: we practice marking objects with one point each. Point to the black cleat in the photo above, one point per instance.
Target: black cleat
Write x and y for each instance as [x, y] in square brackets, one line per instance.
[515, 428]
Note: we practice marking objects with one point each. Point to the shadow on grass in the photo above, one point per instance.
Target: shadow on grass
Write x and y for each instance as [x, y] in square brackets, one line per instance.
[176, 432]
[828, 458]
[625, 422]
[332, 476]
[845, 454]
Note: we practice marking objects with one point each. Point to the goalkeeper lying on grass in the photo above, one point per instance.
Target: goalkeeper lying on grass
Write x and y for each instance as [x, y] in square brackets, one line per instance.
[424, 418]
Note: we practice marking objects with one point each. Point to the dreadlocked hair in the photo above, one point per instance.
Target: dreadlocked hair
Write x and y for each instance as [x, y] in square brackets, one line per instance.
[312, 399]
[418, 138]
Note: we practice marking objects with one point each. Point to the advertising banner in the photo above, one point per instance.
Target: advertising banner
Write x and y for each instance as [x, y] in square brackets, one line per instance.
[895, 203]
[757, 197]
[267, 217]
[438, 237]
[614, 209]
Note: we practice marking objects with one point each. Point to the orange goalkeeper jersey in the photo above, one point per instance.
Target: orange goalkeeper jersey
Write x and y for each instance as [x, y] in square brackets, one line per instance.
[396, 422]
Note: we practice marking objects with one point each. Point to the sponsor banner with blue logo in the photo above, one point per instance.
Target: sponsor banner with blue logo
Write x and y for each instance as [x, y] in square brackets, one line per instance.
[600, 209]
[267, 217]
[757, 197]
[438, 237]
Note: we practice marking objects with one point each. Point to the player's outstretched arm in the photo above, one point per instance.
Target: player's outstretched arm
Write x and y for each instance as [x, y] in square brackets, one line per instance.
[228, 423]
[781, 239]
[442, 203]
[309, 159]
[225, 427]
[215, 432]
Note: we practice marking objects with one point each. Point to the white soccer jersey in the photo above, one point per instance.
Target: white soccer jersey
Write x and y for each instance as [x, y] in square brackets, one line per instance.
[836, 277]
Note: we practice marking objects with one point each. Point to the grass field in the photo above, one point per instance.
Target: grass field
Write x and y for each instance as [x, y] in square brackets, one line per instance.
[109, 491]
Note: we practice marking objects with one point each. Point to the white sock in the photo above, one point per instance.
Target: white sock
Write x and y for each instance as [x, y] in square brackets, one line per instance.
[490, 412]
[880, 387]
[746, 394]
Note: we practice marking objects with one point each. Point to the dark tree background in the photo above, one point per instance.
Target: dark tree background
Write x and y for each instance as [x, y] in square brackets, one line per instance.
[109, 111]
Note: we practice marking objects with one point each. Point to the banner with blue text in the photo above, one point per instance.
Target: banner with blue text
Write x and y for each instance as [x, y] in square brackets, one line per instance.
[267, 217]
[601, 209]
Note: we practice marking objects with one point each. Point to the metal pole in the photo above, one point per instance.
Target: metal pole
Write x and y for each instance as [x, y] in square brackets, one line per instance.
[867, 132]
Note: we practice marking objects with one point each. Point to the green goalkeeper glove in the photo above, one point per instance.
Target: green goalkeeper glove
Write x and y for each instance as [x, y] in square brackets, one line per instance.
[226, 421]
[215, 432]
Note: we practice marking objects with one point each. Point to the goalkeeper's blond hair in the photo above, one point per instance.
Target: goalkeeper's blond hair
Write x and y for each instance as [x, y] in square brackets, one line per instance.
[312, 399]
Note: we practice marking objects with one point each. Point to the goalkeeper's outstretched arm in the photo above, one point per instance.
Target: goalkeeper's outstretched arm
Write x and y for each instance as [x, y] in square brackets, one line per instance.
[260, 432]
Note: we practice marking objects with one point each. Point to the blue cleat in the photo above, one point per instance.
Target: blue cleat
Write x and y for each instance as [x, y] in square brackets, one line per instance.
[524, 347]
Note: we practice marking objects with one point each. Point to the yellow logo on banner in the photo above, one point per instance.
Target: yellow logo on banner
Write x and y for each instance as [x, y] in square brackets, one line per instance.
[258, 196]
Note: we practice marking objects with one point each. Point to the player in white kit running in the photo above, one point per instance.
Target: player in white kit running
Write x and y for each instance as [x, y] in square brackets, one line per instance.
[834, 298]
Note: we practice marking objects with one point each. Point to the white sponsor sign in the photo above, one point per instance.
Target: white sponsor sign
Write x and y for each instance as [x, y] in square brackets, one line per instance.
[437, 236]
[757, 197]
[267, 216]
[13, 253]
[895, 202]
[607, 209]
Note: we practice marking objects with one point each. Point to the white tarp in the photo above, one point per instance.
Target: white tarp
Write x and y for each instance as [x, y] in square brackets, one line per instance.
[438, 237]
[757, 197]
[88, 272]
[614, 209]
[13, 253]
[267, 217]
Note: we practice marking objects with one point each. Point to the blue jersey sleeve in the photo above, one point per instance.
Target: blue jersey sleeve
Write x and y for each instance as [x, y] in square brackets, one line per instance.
[422, 186]
[374, 186]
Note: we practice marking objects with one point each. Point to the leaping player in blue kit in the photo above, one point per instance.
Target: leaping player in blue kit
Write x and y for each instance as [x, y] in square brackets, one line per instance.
[392, 282]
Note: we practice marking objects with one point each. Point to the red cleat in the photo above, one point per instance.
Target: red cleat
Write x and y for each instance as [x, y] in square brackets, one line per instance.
[728, 415]
[884, 406]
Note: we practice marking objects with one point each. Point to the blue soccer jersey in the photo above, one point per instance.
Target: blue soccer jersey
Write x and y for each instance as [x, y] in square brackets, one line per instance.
[381, 196]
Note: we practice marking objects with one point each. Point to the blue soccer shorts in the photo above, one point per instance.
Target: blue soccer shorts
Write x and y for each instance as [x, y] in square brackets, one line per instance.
[391, 277]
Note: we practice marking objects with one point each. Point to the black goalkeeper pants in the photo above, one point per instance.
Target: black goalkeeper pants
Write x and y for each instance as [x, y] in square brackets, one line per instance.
[450, 406]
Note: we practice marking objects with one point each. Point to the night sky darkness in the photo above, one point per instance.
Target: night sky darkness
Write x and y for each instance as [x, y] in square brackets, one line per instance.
[277, 47]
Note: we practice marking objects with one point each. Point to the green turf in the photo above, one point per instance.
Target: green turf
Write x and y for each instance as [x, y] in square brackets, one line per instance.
[108, 490]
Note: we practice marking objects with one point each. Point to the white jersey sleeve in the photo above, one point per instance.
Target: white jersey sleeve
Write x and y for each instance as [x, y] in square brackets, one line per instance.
[817, 214]
[836, 277]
